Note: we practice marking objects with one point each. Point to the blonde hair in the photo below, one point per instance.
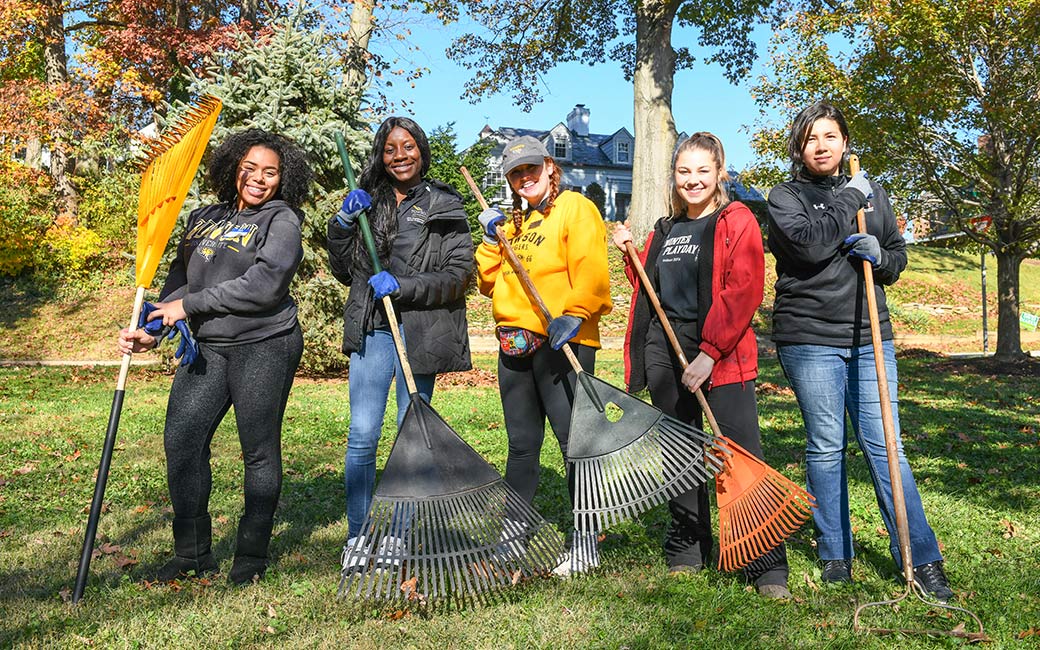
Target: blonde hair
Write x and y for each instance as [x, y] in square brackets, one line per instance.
[554, 191]
[703, 141]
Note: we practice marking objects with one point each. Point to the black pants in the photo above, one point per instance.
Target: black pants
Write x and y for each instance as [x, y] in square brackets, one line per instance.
[532, 389]
[255, 378]
[689, 539]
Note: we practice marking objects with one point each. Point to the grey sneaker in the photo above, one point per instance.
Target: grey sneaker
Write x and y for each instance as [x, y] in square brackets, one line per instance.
[837, 571]
[583, 556]
[355, 554]
[774, 592]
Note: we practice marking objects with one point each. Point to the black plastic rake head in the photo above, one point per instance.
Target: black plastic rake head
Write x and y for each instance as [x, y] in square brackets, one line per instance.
[629, 456]
[444, 527]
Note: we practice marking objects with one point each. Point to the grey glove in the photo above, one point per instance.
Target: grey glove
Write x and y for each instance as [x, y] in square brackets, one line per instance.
[864, 247]
[861, 183]
[490, 219]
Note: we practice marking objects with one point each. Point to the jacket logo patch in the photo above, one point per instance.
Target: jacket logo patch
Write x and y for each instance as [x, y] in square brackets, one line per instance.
[206, 252]
[819, 206]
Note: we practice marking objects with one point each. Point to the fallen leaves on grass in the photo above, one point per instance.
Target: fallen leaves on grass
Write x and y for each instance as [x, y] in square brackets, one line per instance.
[1008, 528]
[411, 591]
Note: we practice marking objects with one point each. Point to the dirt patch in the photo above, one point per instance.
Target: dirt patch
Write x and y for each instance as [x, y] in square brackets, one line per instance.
[475, 378]
[988, 366]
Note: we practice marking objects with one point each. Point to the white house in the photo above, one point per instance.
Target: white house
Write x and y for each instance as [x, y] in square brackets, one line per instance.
[585, 159]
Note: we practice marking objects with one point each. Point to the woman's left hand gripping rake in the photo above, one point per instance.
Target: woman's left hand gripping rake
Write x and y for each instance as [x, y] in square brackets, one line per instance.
[171, 164]
[628, 456]
[444, 526]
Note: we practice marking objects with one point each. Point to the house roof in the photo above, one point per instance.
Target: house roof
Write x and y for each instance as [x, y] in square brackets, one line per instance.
[586, 150]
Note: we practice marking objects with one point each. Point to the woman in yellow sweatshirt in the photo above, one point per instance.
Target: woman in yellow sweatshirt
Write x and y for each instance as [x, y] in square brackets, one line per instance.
[560, 239]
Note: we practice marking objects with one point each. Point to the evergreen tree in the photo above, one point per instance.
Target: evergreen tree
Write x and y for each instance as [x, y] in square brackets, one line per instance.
[290, 80]
[444, 166]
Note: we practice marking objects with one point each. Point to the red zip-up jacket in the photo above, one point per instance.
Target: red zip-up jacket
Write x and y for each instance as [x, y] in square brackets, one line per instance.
[737, 279]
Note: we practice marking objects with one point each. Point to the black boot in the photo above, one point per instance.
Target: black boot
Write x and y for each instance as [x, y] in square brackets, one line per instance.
[191, 549]
[254, 535]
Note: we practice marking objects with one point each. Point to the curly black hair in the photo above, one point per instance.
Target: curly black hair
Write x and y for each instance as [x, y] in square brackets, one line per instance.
[296, 173]
[377, 182]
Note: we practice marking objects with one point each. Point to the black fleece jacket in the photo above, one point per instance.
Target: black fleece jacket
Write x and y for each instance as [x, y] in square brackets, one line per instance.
[233, 269]
[432, 259]
[820, 297]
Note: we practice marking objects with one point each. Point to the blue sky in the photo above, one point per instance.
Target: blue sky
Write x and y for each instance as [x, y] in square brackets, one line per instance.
[703, 100]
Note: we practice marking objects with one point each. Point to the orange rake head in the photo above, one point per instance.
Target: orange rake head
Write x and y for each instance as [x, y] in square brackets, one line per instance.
[758, 508]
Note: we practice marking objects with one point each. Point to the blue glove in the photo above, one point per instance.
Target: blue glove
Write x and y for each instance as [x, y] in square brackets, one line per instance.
[491, 219]
[864, 247]
[562, 329]
[383, 284]
[188, 350]
[151, 327]
[861, 183]
[357, 201]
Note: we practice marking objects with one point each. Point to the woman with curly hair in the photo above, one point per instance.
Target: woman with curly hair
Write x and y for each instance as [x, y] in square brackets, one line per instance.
[560, 239]
[230, 282]
[424, 244]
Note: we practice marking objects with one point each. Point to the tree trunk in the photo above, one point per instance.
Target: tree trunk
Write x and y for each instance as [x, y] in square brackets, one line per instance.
[654, 127]
[1009, 330]
[56, 68]
[247, 12]
[357, 46]
[34, 153]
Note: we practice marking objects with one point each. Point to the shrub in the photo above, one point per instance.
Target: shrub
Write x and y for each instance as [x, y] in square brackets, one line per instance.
[67, 251]
[27, 207]
[108, 206]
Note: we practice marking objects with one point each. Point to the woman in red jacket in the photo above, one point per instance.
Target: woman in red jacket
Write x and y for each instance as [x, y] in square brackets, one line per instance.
[706, 263]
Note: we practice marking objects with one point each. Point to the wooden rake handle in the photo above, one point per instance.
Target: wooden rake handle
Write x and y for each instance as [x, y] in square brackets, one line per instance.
[887, 421]
[633, 255]
[514, 261]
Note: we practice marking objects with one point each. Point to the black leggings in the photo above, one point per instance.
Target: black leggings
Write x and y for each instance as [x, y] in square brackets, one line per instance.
[255, 378]
[535, 388]
[689, 539]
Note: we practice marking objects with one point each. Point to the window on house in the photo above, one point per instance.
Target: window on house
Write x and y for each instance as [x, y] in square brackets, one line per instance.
[560, 148]
[496, 181]
[622, 152]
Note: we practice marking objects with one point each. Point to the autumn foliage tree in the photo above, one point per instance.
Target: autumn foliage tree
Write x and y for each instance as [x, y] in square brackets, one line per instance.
[942, 98]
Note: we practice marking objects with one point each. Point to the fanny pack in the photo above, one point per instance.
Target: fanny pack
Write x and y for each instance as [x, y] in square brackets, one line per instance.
[518, 342]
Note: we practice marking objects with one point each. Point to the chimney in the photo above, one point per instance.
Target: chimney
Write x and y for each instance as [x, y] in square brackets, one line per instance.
[578, 120]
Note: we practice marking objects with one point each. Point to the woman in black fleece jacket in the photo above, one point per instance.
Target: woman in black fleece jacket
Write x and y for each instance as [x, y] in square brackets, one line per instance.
[821, 326]
[230, 281]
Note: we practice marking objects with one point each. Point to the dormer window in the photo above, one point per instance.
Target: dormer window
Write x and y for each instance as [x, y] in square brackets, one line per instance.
[622, 152]
[559, 147]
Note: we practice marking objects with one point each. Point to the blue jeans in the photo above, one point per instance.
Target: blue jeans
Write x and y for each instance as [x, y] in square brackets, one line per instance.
[828, 382]
[372, 368]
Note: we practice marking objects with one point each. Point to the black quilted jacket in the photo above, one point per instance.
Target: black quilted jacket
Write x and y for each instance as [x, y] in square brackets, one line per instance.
[431, 303]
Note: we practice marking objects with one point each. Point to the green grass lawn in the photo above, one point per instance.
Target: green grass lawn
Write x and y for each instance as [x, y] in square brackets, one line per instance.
[972, 440]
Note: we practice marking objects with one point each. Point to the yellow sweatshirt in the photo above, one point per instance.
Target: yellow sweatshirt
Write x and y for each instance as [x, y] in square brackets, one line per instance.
[566, 256]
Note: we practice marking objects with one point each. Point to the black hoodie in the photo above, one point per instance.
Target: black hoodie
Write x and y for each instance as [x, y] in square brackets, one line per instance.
[233, 270]
[820, 296]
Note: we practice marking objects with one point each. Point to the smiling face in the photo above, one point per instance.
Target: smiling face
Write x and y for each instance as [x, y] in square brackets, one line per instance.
[823, 149]
[696, 181]
[402, 159]
[531, 181]
[259, 175]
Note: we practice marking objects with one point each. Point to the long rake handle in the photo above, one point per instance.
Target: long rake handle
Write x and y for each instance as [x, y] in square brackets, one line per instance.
[633, 255]
[106, 461]
[514, 261]
[887, 421]
[370, 245]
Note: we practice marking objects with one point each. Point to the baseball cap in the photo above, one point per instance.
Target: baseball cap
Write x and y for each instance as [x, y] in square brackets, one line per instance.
[524, 150]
